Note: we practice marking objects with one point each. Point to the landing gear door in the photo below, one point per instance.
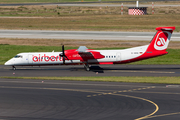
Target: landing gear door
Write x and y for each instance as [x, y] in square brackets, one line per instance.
[118, 56]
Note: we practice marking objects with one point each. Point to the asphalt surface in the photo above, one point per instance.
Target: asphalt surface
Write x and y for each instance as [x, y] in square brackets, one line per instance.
[83, 35]
[102, 70]
[77, 100]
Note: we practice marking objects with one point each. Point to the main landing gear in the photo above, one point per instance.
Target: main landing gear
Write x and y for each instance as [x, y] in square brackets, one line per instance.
[86, 66]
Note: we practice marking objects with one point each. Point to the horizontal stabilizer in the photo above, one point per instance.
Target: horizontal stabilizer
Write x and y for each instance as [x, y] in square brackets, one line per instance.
[165, 28]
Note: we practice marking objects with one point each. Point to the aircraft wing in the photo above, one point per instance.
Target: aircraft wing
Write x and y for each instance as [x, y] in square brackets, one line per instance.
[85, 53]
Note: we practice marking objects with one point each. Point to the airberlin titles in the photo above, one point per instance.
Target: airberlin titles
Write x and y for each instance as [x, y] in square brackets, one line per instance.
[46, 58]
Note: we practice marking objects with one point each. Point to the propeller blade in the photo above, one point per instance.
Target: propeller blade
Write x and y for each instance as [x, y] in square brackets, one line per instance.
[63, 54]
[63, 50]
[63, 59]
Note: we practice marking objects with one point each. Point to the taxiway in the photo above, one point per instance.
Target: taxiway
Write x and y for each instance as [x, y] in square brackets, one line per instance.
[78, 100]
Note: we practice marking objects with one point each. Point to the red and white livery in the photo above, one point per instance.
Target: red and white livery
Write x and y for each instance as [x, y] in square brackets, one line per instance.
[83, 55]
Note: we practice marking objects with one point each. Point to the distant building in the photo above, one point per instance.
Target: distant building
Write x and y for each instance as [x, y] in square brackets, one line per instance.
[137, 10]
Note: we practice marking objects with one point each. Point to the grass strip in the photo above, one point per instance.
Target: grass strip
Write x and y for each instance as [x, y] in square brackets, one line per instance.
[91, 22]
[157, 80]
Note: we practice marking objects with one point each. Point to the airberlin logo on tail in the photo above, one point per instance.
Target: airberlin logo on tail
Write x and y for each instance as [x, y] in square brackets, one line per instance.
[162, 40]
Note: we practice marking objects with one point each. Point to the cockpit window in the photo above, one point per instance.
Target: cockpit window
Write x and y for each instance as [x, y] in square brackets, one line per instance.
[18, 56]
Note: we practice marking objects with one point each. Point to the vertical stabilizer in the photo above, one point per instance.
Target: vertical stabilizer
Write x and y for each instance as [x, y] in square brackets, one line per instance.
[161, 39]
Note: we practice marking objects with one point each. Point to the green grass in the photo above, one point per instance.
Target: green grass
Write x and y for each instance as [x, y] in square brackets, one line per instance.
[157, 80]
[9, 51]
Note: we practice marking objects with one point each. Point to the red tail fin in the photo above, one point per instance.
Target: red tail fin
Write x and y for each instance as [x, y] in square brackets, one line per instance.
[161, 39]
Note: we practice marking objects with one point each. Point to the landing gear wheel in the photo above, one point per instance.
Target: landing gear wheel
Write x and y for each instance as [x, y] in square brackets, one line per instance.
[86, 66]
[87, 69]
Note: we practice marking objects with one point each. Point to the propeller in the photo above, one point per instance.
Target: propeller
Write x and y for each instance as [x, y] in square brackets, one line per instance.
[63, 54]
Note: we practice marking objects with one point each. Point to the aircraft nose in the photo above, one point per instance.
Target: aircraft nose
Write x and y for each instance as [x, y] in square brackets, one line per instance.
[9, 62]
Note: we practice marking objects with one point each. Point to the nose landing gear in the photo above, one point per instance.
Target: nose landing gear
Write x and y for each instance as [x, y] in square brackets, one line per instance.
[14, 68]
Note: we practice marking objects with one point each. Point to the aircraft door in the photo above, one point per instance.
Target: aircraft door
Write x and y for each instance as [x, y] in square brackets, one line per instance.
[30, 59]
[118, 56]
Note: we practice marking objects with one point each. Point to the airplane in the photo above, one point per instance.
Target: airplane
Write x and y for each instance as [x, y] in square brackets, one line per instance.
[85, 56]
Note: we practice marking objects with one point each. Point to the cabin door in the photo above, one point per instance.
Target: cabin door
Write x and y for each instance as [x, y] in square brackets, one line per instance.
[118, 56]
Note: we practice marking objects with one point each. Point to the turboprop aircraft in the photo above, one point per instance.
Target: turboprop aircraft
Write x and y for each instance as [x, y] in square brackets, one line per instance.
[83, 55]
